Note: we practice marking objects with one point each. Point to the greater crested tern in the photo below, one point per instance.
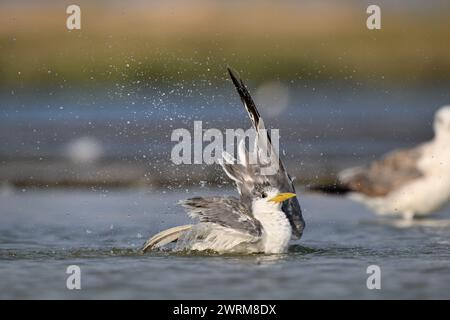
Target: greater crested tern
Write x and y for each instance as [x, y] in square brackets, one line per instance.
[262, 220]
[408, 183]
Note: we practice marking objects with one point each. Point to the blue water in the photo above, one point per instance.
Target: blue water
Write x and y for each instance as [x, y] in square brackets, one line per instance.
[348, 124]
[43, 232]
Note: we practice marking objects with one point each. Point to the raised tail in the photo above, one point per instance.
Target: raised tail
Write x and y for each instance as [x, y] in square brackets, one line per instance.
[165, 237]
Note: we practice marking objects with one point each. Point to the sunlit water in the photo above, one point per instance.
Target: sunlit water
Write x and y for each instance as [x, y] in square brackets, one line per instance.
[43, 232]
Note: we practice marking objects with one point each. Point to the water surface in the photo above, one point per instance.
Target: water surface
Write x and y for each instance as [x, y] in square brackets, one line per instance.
[43, 232]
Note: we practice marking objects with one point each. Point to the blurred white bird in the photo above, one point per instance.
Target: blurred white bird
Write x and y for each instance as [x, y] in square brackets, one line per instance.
[409, 183]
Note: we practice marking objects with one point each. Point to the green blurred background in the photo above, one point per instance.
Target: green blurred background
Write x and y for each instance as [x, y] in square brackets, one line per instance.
[178, 40]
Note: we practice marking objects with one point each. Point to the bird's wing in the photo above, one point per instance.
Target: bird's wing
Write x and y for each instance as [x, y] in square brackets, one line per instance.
[385, 175]
[248, 175]
[227, 212]
[245, 175]
[263, 139]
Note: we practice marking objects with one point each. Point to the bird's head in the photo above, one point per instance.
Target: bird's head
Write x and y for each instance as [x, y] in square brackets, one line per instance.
[442, 123]
[267, 198]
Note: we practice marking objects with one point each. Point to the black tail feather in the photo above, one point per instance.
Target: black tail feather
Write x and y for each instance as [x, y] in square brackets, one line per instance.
[245, 97]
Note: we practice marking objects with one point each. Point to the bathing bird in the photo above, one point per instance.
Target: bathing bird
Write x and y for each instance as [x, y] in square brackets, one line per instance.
[265, 216]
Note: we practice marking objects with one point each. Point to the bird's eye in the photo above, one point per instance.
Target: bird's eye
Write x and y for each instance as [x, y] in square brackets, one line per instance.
[264, 195]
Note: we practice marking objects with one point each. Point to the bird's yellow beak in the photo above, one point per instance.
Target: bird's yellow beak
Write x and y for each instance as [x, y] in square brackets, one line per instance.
[282, 197]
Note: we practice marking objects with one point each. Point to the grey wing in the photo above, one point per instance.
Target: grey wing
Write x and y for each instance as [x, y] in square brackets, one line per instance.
[263, 138]
[228, 212]
[385, 175]
[247, 176]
